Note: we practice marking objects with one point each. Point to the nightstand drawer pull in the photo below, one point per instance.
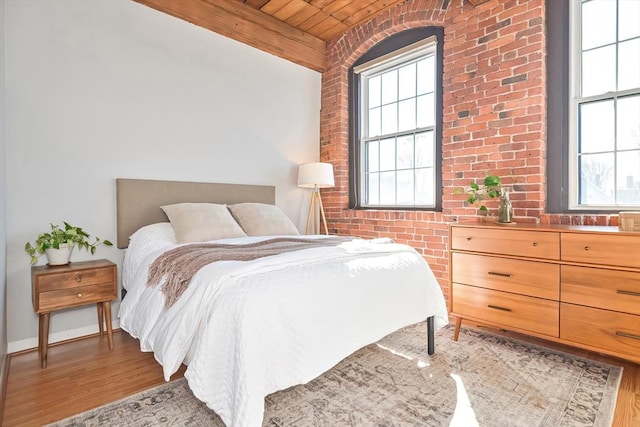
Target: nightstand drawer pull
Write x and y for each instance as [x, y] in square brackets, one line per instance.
[79, 278]
[633, 294]
[534, 244]
[79, 294]
[498, 307]
[495, 273]
[624, 334]
[468, 239]
[586, 248]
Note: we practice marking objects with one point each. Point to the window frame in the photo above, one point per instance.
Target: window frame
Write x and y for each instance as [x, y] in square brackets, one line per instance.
[563, 87]
[386, 50]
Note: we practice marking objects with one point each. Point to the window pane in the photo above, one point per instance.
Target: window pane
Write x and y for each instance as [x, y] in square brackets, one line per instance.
[388, 154]
[597, 123]
[407, 114]
[599, 71]
[628, 191]
[596, 179]
[405, 152]
[373, 189]
[598, 23]
[372, 156]
[388, 188]
[426, 80]
[389, 119]
[405, 187]
[407, 81]
[628, 19]
[426, 111]
[628, 112]
[425, 184]
[390, 87]
[629, 64]
[424, 149]
[374, 122]
[374, 91]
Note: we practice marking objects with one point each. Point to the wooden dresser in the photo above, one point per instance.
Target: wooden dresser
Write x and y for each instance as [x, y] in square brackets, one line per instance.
[578, 285]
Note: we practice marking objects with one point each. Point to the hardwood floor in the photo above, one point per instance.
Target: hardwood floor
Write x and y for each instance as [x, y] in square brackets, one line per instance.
[84, 374]
[80, 375]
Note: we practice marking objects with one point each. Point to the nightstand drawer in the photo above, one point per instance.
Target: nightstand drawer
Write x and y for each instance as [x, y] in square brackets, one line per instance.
[73, 279]
[544, 245]
[518, 311]
[80, 295]
[535, 279]
[617, 332]
[596, 287]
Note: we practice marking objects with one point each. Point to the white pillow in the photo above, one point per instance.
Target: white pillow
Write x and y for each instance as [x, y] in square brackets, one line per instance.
[259, 219]
[199, 222]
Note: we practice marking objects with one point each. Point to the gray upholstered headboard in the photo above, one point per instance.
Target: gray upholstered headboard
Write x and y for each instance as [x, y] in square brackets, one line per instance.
[138, 200]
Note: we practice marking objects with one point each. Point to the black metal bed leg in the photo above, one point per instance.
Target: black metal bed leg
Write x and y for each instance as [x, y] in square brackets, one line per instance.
[431, 345]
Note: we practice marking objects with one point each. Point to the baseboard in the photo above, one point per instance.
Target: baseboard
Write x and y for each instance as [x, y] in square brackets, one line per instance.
[4, 374]
[31, 343]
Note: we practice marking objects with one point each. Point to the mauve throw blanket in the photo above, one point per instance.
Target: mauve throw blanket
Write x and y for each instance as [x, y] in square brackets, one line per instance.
[179, 265]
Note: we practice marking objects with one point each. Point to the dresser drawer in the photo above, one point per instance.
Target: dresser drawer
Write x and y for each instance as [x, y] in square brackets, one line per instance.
[73, 279]
[607, 249]
[494, 240]
[532, 278]
[609, 330]
[70, 297]
[608, 289]
[512, 310]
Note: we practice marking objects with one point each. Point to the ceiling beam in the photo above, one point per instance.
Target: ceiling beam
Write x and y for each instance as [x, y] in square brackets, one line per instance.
[250, 26]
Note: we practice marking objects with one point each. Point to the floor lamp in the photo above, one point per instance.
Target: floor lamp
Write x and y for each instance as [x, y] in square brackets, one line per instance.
[316, 175]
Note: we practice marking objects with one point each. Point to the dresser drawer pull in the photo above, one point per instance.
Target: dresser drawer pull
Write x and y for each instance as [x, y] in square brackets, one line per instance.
[495, 273]
[498, 307]
[535, 244]
[624, 334]
[633, 294]
[79, 278]
[586, 248]
[468, 238]
[79, 294]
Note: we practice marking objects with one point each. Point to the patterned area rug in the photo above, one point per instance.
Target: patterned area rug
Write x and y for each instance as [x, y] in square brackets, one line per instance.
[481, 380]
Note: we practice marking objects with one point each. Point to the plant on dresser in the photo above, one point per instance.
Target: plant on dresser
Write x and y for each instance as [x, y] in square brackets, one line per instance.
[491, 187]
[58, 244]
[578, 285]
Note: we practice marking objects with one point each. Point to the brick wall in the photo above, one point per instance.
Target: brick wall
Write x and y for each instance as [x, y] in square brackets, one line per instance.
[493, 111]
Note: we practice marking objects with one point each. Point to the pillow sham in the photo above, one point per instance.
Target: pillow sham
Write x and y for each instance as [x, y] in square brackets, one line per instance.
[199, 222]
[260, 219]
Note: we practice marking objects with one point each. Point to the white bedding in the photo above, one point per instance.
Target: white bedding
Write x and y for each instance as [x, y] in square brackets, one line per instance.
[248, 329]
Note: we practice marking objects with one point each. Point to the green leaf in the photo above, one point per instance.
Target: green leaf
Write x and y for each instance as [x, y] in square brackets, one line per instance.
[491, 181]
[107, 242]
[474, 186]
[483, 208]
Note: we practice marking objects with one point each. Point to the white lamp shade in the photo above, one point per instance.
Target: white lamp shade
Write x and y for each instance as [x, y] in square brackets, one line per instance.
[316, 175]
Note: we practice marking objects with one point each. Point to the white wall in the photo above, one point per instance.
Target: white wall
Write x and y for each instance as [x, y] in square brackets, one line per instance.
[97, 90]
[3, 211]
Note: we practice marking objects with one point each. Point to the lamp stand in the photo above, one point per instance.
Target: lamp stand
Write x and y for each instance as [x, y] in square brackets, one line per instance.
[315, 206]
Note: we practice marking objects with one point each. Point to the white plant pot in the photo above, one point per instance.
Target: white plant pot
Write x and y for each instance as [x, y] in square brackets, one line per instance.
[59, 256]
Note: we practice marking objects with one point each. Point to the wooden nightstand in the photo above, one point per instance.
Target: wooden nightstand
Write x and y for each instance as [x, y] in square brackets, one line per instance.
[72, 285]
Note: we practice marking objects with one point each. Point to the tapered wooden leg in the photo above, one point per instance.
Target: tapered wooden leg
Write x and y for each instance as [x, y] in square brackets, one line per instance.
[456, 331]
[100, 318]
[324, 219]
[107, 313]
[43, 339]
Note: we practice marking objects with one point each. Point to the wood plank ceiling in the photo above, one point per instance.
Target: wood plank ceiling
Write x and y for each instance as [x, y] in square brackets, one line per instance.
[296, 30]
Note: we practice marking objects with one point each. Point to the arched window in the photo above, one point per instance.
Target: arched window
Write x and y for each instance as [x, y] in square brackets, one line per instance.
[395, 122]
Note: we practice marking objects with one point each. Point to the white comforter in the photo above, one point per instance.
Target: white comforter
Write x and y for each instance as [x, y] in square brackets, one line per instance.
[248, 329]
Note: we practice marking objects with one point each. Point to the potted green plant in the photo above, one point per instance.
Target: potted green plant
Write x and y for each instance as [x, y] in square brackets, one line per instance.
[58, 244]
[491, 187]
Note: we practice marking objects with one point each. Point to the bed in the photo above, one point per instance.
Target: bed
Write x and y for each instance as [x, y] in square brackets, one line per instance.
[247, 328]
